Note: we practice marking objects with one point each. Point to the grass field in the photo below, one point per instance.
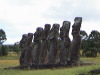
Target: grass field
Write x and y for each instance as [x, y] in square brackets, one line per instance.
[61, 71]
[95, 60]
[9, 61]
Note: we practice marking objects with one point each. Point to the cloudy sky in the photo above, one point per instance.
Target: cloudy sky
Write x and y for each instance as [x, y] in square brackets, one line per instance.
[19, 17]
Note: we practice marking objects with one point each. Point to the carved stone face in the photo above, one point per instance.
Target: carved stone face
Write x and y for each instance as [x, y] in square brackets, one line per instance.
[78, 20]
[39, 30]
[29, 39]
[64, 30]
[47, 27]
[38, 34]
[54, 32]
[30, 34]
[23, 40]
[56, 26]
[66, 23]
[76, 26]
[66, 26]
[24, 35]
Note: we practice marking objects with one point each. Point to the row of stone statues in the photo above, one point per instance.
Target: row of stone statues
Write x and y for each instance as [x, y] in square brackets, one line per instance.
[50, 47]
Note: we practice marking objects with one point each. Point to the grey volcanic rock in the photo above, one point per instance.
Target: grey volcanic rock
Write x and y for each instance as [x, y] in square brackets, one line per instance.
[45, 44]
[23, 50]
[37, 45]
[26, 49]
[76, 42]
[53, 37]
[65, 43]
[49, 48]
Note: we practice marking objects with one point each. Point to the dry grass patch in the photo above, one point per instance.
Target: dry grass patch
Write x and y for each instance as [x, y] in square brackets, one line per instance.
[95, 60]
[8, 63]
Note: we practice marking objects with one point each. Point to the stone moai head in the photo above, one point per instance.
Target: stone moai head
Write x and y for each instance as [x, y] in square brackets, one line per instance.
[29, 39]
[64, 30]
[54, 33]
[47, 27]
[76, 26]
[66, 27]
[39, 30]
[24, 36]
[46, 31]
[38, 34]
[56, 27]
[23, 40]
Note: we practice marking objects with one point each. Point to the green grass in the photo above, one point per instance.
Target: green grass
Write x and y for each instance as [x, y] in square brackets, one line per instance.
[63, 71]
[11, 56]
[95, 60]
[8, 63]
[12, 60]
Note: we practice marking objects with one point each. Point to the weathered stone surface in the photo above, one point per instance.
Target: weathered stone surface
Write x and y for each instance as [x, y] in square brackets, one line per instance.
[65, 43]
[45, 51]
[28, 53]
[23, 50]
[45, 44]
[76, 42]
[53, 37]
[26, 48]
[37, 45]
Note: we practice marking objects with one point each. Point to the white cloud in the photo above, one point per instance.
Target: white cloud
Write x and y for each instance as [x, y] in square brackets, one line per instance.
[23, 16]
[69, 9]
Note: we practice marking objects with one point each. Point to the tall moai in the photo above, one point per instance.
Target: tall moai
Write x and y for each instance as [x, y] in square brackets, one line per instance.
[22, 46]
[53, 37]
[45, 44]
[76, 42]
[37, 45]
[29, 48]
[26, 48]
[65, 43]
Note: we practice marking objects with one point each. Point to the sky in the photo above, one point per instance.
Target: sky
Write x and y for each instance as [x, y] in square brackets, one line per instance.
[18, 17]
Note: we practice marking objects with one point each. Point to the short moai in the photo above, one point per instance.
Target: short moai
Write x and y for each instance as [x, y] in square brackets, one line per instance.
[54, 45]
[37, 46]
[45, 44]
[76, 42]
[28, 53]
[23, 43]
[65, 43]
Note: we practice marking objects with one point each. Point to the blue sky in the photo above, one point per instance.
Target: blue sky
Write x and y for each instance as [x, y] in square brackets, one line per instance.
[18, 17]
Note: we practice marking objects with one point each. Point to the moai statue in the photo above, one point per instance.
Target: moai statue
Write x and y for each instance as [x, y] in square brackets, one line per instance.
[76, 42]
[23, 43]
[65, 43]
[37, 45]
[53, 37]
[45, 44]
[28, 53]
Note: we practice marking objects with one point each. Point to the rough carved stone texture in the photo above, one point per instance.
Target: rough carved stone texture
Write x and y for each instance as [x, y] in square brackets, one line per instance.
[37, 45]
[28, 53]
[53, 37]
[23, 50]
[45, 44]
[65, 43]
[75, 46]
[26, 48]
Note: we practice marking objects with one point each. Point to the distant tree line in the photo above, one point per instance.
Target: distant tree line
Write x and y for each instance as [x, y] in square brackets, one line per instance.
[90, 44]
[4, 49]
